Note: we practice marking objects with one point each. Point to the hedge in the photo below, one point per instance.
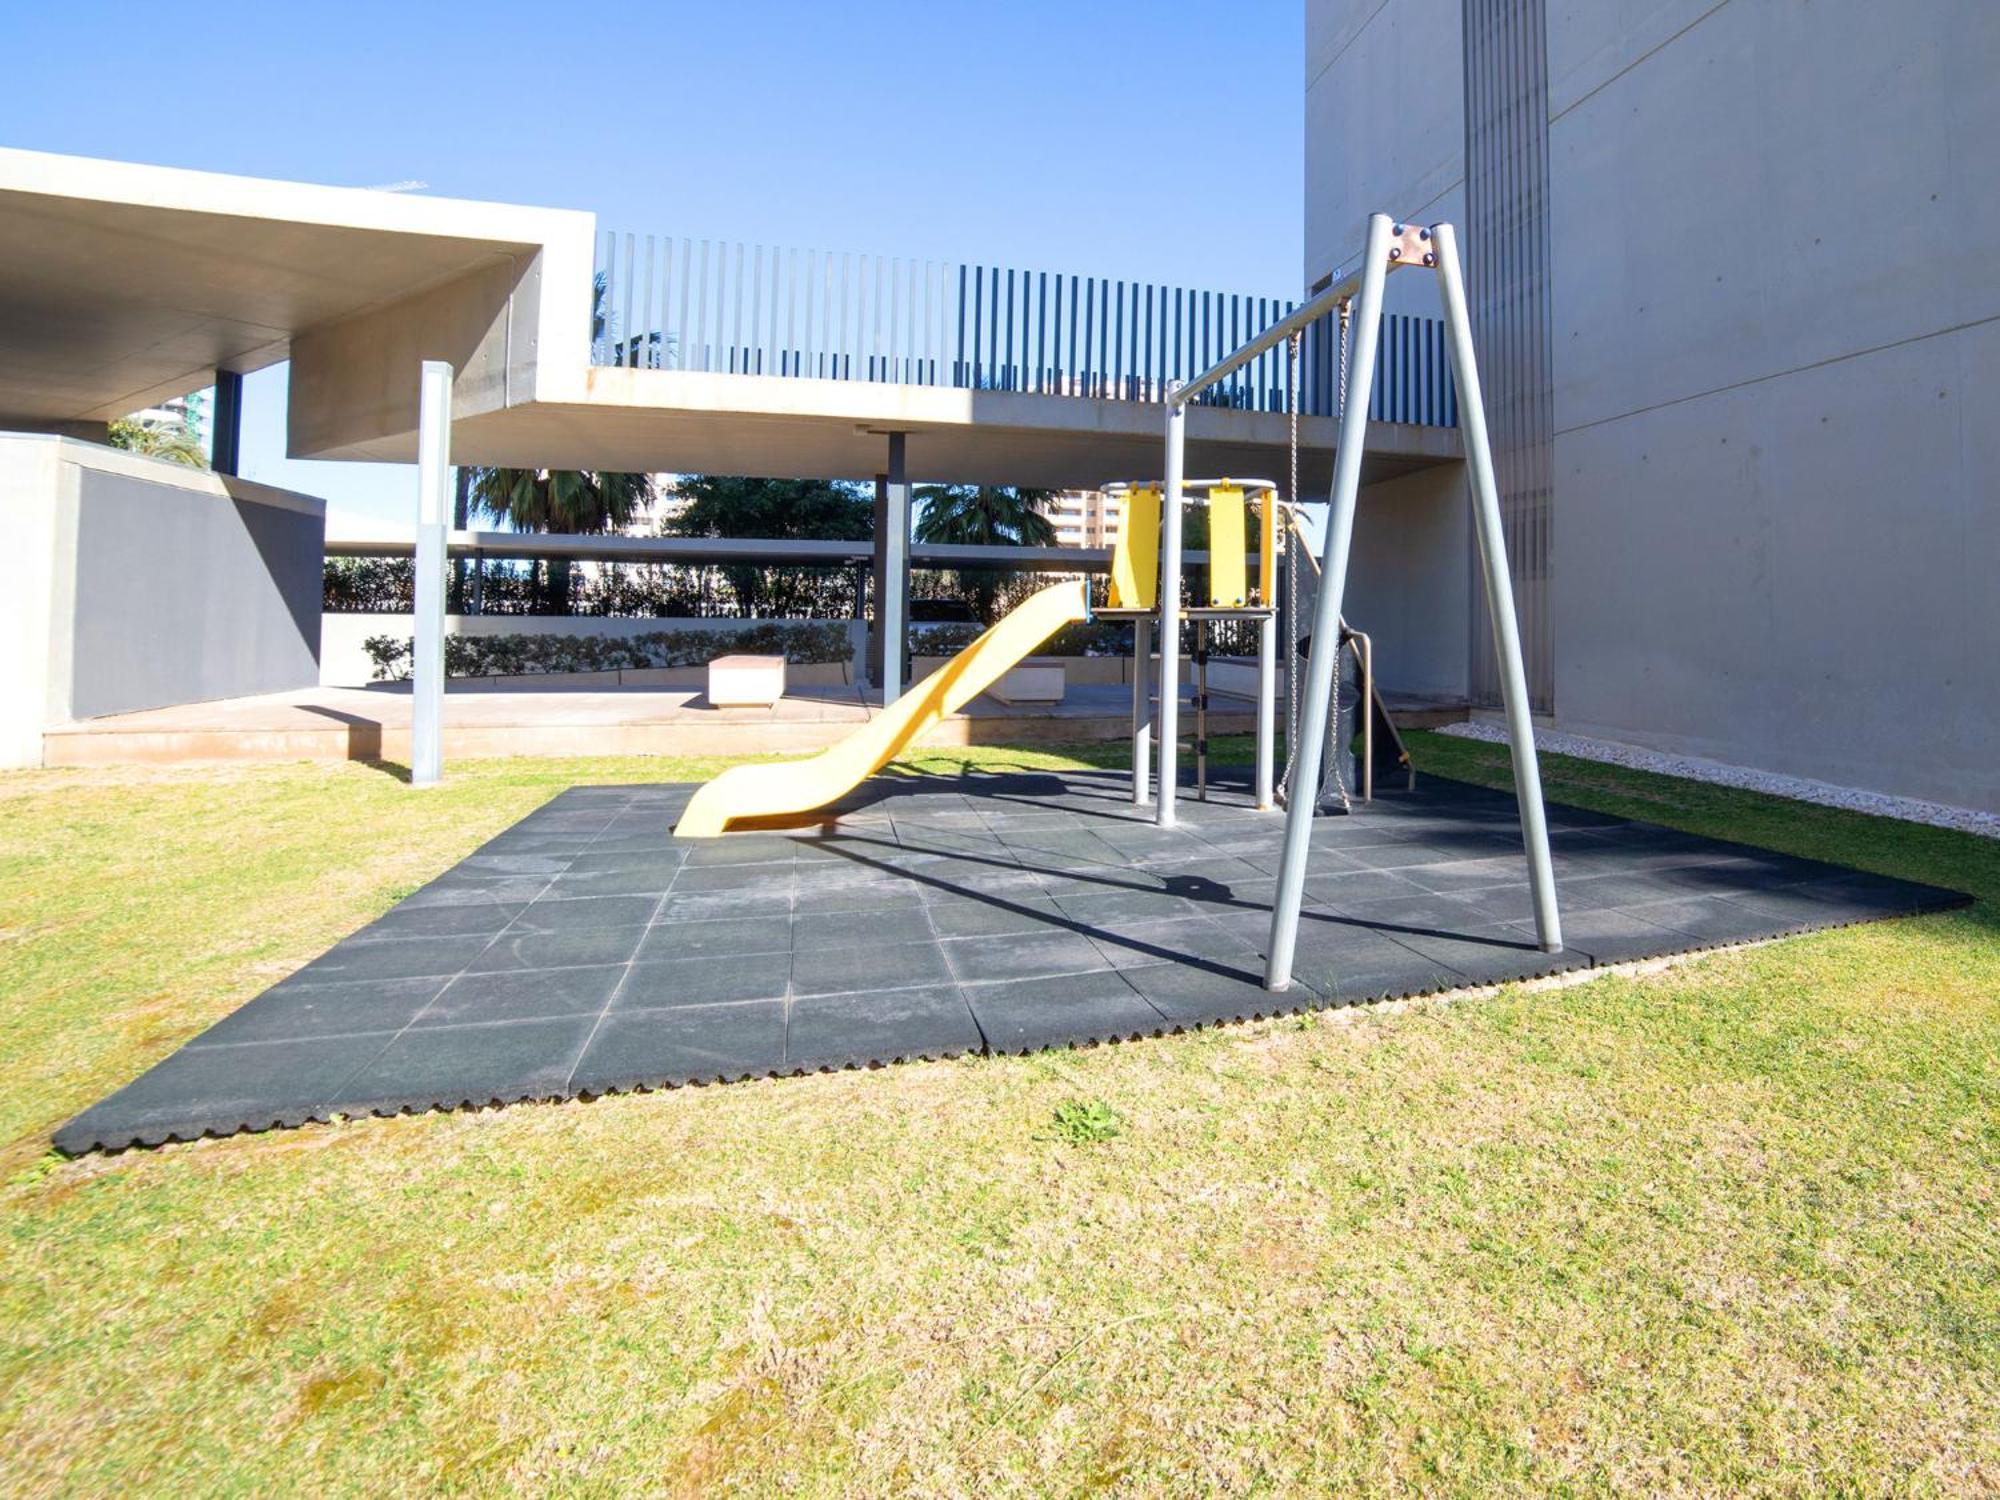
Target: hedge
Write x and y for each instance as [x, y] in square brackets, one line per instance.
[520, 655]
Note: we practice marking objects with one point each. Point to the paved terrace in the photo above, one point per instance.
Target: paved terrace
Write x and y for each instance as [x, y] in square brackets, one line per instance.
[586, 951]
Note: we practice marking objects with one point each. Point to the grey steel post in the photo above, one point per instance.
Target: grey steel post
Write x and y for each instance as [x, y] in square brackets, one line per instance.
[1142, 710]
[1324, 662]
[427, 654]
[1170, 610]
[893, 547]
[1267, 708]
[1499, 587]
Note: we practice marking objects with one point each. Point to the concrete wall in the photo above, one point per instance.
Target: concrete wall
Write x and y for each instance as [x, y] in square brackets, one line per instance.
[1775, 276]
[139, 584]
[343, 662]
[1408, 578]
[1777, 279]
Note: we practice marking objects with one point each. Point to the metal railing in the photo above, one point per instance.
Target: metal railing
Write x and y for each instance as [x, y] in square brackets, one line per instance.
[679, 303]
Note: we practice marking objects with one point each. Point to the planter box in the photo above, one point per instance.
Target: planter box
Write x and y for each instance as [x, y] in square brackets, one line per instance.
[746, 681]
[1031, 682]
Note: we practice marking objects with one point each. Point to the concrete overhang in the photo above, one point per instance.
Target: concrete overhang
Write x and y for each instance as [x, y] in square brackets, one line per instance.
[784, 426]
[122, 284]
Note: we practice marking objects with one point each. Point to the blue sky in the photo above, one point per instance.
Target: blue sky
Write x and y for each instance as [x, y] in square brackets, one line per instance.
[1034, 134]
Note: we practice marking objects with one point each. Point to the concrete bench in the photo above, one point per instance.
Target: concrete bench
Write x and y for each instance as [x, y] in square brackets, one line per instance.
[746, 681]
[1031, 682]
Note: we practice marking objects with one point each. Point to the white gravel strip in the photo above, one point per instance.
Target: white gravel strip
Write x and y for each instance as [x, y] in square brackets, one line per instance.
[1719, 773]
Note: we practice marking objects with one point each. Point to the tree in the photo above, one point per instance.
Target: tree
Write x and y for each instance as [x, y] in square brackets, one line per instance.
[571, 501]
[716, 505]
[177, 445]
[984, 516]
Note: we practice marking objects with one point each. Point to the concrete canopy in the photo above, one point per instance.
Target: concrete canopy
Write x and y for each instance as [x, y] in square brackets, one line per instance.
[122, 284]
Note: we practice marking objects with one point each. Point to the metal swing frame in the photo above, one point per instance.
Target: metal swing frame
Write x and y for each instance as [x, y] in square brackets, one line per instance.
[1388, 246]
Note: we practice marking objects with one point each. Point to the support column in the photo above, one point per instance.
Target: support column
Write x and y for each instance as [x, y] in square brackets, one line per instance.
[225, 433]
[1169, 599]
[1142, 710]
[427, 658]
[1489, 528]
[1267, 709]
[1321, 665]
[888, 655]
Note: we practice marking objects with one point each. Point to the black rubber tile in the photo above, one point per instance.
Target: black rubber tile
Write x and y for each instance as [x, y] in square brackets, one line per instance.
[741, 849]
[1211, 991]
[716, 980]
[1351, 966]
[294, 1011]
[728, 935]
[522, 995]
[558, 950]
[405, 958]
[1610, 937]
[657, 856]
[640, 880]
[1024, 955]
[892, 966]
[645, 1049]
[856, 1030]
[725, 906]
[471, 919]
[838, 928]
[1025, 1015]
[220, 1090]
[813, 932]
[455, 890]
[549, 915]
[1493, 953]
[1097, 905]
[885, 894]
[735, 878]
[445, 1067]
[955, 916]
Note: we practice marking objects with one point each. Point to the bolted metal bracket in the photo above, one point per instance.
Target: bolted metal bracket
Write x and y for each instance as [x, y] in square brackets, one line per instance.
[1411, 246]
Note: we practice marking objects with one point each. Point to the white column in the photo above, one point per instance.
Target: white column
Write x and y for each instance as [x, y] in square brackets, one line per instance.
[427, 661]
[1168, 715]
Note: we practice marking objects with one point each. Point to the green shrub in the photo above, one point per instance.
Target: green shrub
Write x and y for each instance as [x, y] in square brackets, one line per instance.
[524, 655]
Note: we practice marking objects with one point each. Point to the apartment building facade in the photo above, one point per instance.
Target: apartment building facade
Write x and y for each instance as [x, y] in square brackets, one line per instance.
[1735, 270]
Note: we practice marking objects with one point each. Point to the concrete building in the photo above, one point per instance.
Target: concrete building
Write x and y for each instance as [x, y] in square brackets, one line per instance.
[1735, 270]
[1084, 518]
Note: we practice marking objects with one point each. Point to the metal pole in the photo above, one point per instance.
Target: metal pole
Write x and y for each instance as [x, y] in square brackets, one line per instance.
[1170, 609]
[893, 606]
[1267, 705]
[1323, 664]
[225, 435]
[427, 655]
[1142, 710]
[1367, 654]
[1201, 709]
[1499, 588]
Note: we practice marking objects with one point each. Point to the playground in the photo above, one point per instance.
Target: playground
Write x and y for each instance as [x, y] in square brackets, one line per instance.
[1724, 1203]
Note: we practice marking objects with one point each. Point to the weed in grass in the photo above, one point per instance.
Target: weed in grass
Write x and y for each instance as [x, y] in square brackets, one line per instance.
[1079, 1122]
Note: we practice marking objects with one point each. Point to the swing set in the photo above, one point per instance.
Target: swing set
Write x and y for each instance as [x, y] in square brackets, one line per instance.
[1148, 585]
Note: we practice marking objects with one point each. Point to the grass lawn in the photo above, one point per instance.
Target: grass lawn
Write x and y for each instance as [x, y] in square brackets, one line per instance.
[1729, 1226]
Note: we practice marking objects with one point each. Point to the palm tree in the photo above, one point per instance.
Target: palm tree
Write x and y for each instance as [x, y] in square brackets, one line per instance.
[559, 500]
[177, 445]
[966, 515]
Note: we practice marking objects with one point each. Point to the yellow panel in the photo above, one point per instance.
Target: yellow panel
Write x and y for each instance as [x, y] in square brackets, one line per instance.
[1135, 559]
[1267, 549]
[777, 789]
[1227, 584]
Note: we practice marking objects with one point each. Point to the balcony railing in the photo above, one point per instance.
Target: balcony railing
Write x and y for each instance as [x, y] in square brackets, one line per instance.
[678, 303]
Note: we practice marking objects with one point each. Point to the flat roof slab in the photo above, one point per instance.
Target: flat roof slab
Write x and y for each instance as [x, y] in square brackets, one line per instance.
[586, 951]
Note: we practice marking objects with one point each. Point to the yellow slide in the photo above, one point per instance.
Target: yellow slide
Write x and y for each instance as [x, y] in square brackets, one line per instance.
[797, 786]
